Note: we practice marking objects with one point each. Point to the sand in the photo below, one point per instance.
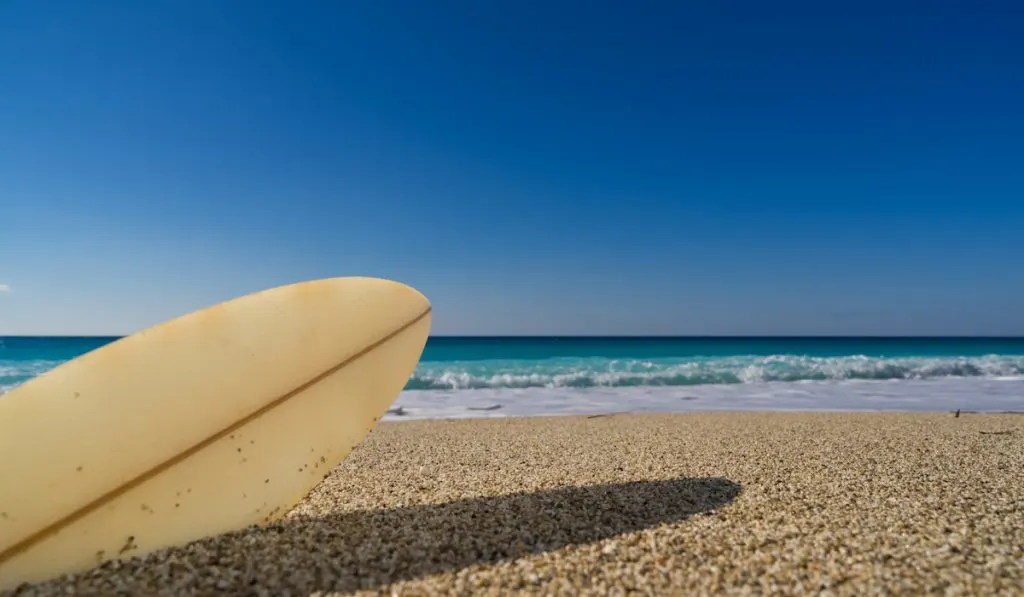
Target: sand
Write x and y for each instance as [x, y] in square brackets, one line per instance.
[728, 503]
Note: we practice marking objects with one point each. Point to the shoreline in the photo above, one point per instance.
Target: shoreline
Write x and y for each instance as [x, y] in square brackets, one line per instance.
[948, 394]
[389, 419]
[407, 419]
[722, 502]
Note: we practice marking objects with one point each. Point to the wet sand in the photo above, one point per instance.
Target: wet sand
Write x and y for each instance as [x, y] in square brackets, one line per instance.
[718, 503]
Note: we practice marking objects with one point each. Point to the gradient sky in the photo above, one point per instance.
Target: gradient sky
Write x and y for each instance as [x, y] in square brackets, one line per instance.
[534, 168]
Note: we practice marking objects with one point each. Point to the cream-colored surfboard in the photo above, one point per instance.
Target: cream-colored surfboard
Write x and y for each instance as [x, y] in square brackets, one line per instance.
[207, 423]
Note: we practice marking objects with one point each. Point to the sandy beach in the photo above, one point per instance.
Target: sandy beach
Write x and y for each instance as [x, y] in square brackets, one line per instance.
[720, 503]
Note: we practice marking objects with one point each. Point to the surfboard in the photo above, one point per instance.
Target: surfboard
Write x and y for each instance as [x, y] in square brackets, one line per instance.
[207, 423]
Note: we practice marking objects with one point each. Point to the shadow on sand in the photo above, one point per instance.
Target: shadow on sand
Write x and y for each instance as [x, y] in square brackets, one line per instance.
[368, 549]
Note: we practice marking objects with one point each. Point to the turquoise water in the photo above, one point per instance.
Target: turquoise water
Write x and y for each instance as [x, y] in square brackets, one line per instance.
[474, 363]
[486, 377]
[468, 363]
[443, 348]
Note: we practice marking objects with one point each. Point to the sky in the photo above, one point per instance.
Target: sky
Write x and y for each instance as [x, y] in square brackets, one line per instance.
[610, 168]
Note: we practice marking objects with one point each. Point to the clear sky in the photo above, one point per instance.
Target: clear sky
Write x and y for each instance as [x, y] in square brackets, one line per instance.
[533, 167]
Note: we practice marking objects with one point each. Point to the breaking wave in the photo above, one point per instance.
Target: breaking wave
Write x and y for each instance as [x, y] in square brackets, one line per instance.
[597, 372]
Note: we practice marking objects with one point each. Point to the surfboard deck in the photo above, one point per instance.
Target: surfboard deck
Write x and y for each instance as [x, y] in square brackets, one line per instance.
[207, 423]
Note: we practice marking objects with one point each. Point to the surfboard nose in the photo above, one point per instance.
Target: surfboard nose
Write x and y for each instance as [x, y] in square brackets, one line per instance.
[415, 297]
[407, 294]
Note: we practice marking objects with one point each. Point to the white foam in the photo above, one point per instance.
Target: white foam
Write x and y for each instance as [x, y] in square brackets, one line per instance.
[947, 394]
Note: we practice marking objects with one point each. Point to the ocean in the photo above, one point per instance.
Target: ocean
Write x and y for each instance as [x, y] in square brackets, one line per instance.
[462, 377]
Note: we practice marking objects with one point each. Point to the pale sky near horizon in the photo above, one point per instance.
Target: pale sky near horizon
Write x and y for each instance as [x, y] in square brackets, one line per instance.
[564, 168]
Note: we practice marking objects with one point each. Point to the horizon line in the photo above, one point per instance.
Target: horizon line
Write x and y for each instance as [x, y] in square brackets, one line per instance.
[629, 336]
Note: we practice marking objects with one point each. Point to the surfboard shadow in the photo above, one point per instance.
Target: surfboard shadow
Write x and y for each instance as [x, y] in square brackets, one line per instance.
[370, 549]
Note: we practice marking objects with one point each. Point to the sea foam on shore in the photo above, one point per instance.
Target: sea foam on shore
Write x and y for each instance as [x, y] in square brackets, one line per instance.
[941, 394]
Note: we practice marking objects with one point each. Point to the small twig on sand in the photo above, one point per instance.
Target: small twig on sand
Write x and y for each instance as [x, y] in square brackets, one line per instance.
[492, 407]
[1007, 432]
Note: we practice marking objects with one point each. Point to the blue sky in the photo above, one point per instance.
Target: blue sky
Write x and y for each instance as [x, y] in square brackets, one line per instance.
[537, 168]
